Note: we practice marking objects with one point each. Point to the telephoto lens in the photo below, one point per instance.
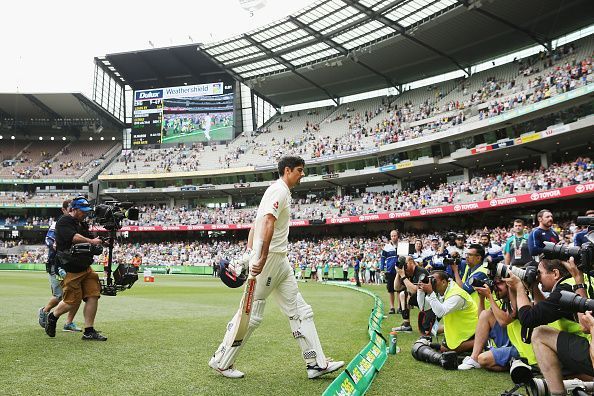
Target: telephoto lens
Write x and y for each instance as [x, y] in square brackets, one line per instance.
[422, 351]
[574, 303]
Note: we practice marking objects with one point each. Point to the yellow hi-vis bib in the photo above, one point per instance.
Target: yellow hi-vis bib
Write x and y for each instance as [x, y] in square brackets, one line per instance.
[459, 326]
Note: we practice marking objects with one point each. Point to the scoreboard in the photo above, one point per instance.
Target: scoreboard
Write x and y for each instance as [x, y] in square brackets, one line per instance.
[147, 122]
[182, 114]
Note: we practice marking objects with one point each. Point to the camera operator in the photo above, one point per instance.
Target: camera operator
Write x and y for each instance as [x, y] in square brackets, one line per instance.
[475, 268]
[559, 341]
[541, 234]
[516, 251]
[457, 309]
[407, 278]
[500, 324]
[580, 237]
[80, 282]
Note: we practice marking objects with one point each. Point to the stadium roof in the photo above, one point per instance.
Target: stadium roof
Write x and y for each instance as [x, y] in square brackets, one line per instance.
[163, 67]
[335, 48]
[37, 108]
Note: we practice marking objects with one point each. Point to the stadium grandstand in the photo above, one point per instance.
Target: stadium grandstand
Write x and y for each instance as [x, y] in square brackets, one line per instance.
[393, 121]
[443, 119]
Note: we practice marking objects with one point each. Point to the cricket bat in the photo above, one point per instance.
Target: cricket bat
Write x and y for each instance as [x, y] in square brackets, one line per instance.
[245, 308]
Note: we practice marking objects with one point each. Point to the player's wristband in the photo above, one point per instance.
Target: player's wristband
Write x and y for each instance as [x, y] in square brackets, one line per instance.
[578, 286]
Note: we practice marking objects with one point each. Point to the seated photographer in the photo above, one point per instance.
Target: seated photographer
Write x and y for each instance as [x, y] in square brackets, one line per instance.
[500, 325]
[407, 277]
[562, 337]
[560, 351]
[476, 268]
[553, 276]
[81, 283]
[456, 308]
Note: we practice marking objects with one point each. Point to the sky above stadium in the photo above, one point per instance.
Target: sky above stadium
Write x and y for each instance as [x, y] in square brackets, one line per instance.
[49, 46]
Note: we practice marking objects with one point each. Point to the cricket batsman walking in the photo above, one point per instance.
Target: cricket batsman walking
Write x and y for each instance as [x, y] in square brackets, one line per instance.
[268, 262]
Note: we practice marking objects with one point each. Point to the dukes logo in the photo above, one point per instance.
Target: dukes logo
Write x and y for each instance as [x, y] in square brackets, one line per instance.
[545, 195]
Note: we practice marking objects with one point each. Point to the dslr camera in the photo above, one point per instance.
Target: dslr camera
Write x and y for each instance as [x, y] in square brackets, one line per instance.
[453, 259]
[527, 274]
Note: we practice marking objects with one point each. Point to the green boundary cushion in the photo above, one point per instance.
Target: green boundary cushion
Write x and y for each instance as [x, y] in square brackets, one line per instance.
[360, 372]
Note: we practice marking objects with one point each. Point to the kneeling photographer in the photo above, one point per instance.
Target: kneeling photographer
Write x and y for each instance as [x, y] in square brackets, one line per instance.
[456, 308]
[408, 275]
[476, 268]
[80, 282]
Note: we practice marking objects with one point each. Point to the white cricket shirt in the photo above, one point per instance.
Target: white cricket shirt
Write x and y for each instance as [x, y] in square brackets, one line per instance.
[276, 201]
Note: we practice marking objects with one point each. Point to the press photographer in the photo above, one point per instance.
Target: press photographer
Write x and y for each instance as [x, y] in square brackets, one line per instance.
[80, 282]
[554, 277]
[499, 324]
[475, 268]
[408, 275]
[456, 308]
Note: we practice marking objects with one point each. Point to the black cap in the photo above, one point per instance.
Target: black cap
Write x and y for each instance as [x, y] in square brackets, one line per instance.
[459, 236]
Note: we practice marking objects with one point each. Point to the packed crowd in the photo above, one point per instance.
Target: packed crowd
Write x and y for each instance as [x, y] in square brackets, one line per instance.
[392, 119]
[334, 251]
[478, 188]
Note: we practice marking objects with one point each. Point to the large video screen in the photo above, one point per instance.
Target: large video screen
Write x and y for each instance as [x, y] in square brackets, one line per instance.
[185, 114]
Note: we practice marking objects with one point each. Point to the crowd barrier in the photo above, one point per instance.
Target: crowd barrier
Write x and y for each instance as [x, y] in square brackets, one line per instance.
[362, 369]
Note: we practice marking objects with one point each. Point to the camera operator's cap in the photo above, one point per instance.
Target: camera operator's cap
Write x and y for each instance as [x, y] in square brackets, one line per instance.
[81, 204]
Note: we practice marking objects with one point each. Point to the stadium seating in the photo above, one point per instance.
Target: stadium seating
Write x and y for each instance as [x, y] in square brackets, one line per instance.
[371, 122]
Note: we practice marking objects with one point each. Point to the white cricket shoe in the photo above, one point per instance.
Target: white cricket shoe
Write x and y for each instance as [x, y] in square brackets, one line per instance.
[229, 373]
[316, 371]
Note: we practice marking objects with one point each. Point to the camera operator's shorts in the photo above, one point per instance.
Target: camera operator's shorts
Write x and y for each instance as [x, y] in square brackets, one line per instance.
[79, 286]
[573, 353]
[55, 286]
[390, 279]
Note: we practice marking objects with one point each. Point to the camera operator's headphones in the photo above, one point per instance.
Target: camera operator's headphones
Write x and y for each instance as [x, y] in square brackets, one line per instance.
[80, 203]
